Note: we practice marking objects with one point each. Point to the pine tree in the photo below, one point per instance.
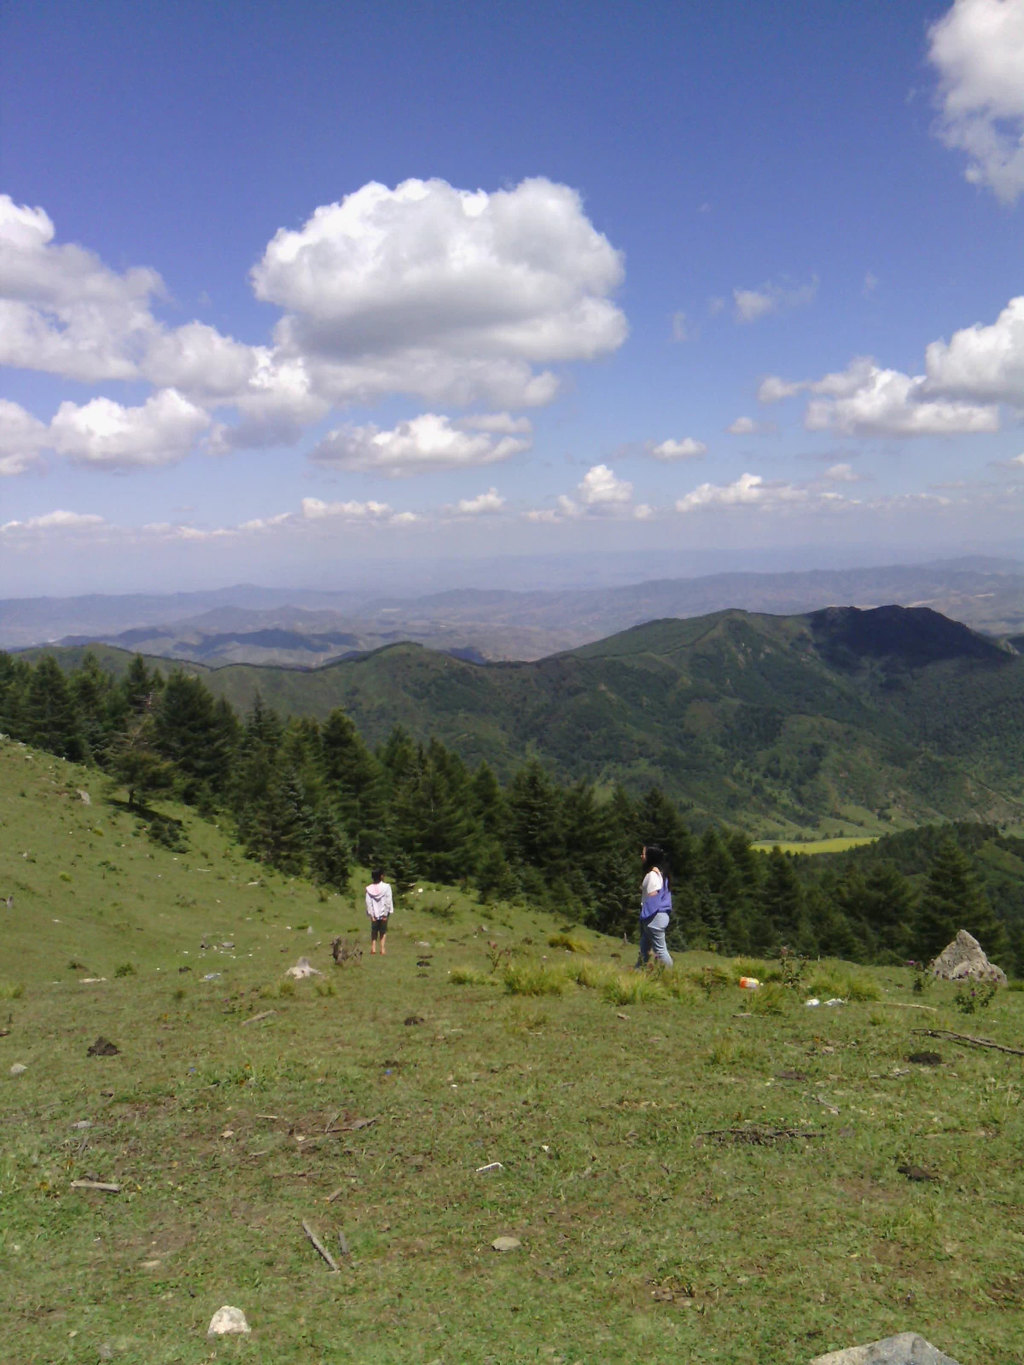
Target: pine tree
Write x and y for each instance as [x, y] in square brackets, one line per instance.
[189, 730]
[327, 852]
[92, 694]
[953, 900]
[135, 762]
[354, 782]
[49, 715]
[432, 815]
[536, 836]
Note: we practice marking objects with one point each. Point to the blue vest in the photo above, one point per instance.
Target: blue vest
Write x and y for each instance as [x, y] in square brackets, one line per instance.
[656, 904]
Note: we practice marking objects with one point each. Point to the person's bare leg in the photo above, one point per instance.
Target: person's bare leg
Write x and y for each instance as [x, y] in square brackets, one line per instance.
[383, 943]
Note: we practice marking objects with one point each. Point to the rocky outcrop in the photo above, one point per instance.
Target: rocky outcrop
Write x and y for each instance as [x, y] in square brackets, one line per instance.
[906, 1349]
[963, 960]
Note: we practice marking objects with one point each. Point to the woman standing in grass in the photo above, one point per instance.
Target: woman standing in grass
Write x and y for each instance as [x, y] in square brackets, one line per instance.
[655, 907]
[379, 906]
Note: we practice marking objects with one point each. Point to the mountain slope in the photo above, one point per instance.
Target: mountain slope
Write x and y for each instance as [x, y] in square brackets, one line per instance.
[838, 721]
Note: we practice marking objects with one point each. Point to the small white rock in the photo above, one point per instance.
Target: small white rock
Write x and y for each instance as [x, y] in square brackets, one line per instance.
[227, 1320]
[506, 1244]
[18, 1069]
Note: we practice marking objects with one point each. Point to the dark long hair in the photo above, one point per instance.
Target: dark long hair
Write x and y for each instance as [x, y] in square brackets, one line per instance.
[656, 857]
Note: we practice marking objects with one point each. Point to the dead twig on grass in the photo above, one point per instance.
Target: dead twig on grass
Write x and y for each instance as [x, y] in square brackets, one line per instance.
[319, 1246]
[755, 1136]
[966, 1038]
[255, 1018]
[96, 1185]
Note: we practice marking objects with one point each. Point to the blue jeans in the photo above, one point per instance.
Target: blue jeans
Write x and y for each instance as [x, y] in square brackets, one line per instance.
[652, 940]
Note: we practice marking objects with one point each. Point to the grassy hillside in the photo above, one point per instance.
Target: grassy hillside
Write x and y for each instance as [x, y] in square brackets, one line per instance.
[689, 1172]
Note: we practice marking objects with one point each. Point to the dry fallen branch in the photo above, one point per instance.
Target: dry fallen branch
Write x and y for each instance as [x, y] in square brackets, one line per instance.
[319, 1246]
[966, 1038]
[255, 1019]
[755, 1137]
[353, 1125]
[908, 1005]
[95, 1185]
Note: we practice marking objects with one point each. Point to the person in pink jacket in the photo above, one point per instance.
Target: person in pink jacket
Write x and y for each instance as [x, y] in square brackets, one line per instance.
[379, 906]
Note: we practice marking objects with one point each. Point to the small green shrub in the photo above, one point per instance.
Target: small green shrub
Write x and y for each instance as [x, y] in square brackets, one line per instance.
[11, 992]
[125, 969]
[974, 995]
[324, 988]
[712, 979]
[772, 998]
[286, 989]
[167, 833]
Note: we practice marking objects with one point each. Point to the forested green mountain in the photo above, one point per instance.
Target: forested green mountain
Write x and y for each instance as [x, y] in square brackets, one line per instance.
[836, 721]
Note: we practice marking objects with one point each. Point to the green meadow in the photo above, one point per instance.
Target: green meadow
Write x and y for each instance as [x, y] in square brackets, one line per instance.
[836, 844]
[687, 1171]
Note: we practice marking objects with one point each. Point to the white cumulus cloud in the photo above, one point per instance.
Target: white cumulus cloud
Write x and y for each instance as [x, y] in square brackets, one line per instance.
[977, 49]
[22, 437]
[868, 401]
[105, 434]
[985, 363]
[446, 293]
[689, 448]
[61, 309]
[483, 503]
[423, 444]
[742, 426]
[600, 487]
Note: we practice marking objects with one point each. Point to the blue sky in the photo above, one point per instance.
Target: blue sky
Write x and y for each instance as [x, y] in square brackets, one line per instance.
[291, 290]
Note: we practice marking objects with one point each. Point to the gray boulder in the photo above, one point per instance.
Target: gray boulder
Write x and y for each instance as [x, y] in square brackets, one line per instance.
[906, 1349]
[963, 960]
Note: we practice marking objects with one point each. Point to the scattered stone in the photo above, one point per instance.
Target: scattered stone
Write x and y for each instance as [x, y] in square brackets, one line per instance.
[84, 797]
[103, 1047]
[506, 1244]
[18, 1069]
[925, 1058]
[227, 1320]
[916, 1173]
[909, 1348]
[302, 969]
[423, 962]
[963, 960]
[422, 943]
[413, 1019]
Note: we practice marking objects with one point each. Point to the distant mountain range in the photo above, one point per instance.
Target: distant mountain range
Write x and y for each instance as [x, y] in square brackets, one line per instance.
[836, 720]
[301, 628]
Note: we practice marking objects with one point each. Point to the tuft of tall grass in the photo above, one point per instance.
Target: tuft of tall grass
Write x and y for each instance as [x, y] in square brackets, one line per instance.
[771, 998]
[572, 945]
[533, 978]
[633, 988]
[839, 983]
[593, 975]
[469, 976]
[11, 992]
